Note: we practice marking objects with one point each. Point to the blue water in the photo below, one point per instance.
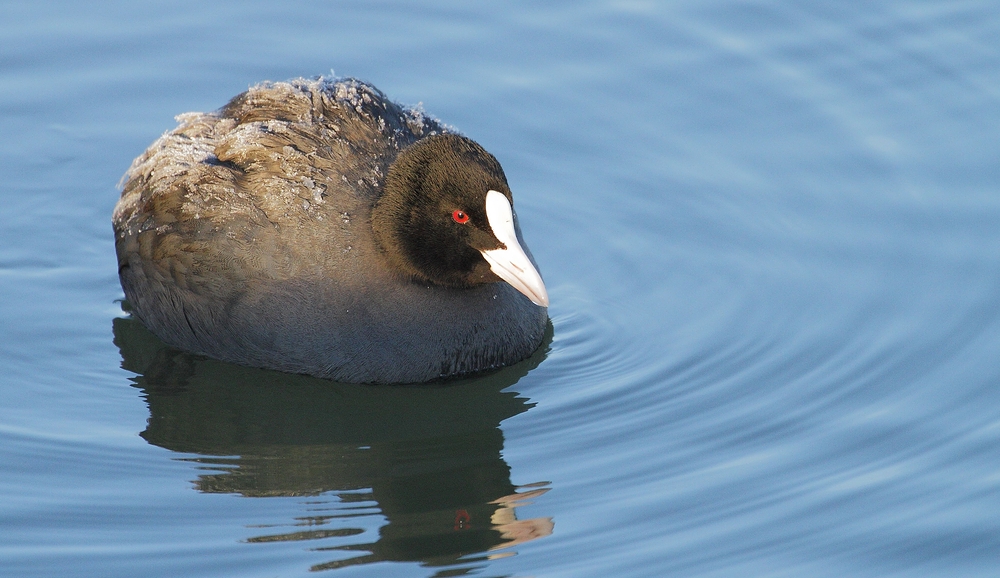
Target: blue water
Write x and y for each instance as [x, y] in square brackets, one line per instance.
[771, 236]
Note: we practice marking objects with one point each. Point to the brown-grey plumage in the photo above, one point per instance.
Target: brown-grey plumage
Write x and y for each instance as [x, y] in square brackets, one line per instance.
[246, 234]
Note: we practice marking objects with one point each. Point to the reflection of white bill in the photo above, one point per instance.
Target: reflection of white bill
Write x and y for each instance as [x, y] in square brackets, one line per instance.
[515, 531]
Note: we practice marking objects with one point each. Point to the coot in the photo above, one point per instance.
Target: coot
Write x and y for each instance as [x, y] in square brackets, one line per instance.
[314, 226]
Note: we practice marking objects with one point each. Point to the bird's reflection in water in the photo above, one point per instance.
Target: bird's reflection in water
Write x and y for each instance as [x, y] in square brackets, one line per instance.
[425, 459]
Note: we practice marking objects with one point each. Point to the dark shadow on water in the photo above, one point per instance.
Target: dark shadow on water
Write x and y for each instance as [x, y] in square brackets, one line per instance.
[427, 459]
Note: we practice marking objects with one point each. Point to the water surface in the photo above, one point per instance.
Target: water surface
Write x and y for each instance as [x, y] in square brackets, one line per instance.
[769, 233]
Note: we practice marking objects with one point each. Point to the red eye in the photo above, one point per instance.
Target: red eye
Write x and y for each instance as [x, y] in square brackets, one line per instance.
[460, 216]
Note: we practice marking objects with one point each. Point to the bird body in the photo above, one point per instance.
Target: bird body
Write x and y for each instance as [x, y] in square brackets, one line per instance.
[263, 234]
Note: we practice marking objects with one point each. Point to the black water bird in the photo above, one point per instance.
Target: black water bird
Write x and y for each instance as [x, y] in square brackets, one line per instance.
[316, 227]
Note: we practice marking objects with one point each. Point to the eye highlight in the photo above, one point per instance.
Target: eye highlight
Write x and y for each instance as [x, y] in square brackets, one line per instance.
[460, 216]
